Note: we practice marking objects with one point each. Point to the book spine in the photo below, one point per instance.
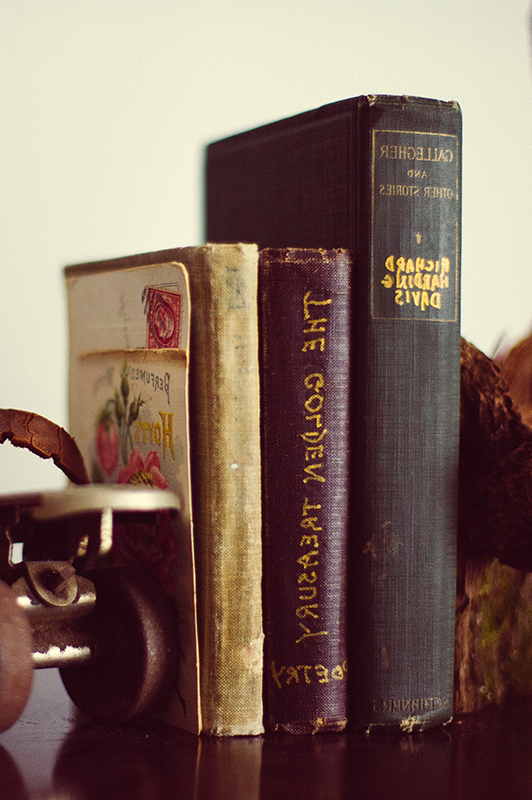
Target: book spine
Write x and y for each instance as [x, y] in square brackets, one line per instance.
[305, 307]
[407, 411]
[225, 455]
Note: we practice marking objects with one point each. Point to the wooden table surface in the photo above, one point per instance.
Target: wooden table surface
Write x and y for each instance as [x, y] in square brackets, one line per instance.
[51, 755]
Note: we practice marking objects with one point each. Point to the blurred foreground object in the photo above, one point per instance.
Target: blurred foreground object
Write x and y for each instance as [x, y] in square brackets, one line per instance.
[516, 369]
[68, 604]
[45, 439]
[65, 602]
[495, 511]
[493, 651]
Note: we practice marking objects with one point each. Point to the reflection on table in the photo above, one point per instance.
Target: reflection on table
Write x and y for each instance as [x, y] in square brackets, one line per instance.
[51, 754]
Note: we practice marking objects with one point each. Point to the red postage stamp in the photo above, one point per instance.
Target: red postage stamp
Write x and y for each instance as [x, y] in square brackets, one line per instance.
[163, 322]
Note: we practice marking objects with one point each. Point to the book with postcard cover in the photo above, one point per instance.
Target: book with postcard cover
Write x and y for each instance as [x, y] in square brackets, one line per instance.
[140, 414]
[128, 408]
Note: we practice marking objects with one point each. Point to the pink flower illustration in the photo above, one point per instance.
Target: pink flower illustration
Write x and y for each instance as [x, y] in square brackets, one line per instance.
[107, 444]
[143, 471]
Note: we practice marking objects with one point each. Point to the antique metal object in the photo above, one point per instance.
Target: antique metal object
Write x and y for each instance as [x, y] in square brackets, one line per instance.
[65, 601]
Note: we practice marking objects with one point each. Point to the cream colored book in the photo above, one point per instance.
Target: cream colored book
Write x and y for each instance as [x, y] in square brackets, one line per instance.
[114, 325]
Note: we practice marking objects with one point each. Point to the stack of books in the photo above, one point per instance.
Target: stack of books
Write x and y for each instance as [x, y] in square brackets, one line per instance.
[296, 381]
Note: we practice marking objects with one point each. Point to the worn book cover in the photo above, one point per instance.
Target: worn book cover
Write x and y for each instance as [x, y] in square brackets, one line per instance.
[305, 297]
[128, 404]
[224, 426]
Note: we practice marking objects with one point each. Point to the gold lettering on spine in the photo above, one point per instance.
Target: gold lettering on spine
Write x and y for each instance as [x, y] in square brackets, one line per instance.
[409, 705]
[397, 152]
[313, 325]
[314, 436]
[419, 281]
[292, 675]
